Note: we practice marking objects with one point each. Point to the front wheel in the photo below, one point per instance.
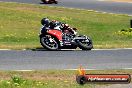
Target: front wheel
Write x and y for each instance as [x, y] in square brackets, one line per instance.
[49, 42]
[85, 44]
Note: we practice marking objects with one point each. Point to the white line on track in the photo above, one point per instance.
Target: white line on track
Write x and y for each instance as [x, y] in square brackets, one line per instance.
[128, 68]
[76, 69]
[102, 69]
[115, 49]
[4, 49]
[76, 49]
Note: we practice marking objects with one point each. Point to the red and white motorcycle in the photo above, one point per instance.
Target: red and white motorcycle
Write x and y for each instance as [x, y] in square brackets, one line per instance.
[55, 39]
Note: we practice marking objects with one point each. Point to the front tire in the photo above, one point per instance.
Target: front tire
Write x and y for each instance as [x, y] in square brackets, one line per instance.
[84, 45]
[49, 42]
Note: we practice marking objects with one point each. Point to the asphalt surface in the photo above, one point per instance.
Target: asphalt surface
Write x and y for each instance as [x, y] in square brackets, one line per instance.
[105, 6]
[40, 60]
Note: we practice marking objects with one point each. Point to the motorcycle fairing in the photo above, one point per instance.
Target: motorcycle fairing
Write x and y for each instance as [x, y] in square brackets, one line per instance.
[80, 38]
[56, 33]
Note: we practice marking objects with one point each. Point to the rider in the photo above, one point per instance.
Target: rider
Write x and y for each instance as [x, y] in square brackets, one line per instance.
[47, 24]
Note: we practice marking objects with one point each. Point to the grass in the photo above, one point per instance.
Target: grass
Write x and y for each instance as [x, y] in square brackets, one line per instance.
[50, 79]
[20, 24]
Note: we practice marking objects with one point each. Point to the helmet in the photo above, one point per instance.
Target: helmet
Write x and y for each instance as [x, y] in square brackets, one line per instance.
[45, 21]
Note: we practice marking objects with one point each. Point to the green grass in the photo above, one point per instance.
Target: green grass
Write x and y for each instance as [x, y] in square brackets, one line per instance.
[20, 24]
[50, 79]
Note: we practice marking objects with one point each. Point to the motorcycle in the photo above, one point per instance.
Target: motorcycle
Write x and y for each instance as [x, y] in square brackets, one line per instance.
[49, 1]
[55, 39]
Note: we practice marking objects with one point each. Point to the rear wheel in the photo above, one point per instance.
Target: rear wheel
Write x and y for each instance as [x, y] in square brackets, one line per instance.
[49, 42]
[85, 44]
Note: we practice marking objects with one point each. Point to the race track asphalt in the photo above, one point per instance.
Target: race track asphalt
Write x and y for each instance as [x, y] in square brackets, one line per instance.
[40, 60]
[105, 6]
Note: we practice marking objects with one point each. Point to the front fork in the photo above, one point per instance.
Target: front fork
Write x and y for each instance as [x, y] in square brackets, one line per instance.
[61, 43]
